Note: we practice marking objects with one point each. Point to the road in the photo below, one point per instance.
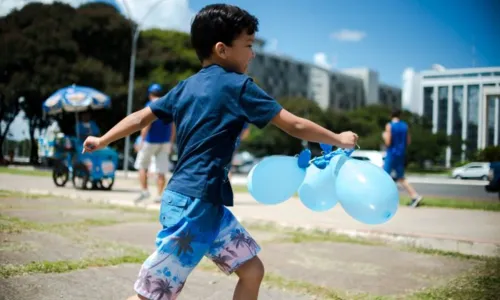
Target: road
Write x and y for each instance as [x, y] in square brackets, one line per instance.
[455, 191]
[427, 185]
[436, 186]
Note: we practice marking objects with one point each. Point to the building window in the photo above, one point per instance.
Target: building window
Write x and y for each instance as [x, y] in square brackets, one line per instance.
[456, 110]
[428, 102]
[472, 115]
[491, 121]
[443, 108]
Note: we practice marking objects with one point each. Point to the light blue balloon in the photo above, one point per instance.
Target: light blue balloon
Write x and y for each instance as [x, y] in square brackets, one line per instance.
[275, 179]
[366, 192]
[317, 192]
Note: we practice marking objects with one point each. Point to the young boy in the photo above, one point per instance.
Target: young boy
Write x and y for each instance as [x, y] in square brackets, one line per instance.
[209, 110]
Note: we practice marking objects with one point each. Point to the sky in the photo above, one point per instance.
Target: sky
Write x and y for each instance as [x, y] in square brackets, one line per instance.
[389, 36]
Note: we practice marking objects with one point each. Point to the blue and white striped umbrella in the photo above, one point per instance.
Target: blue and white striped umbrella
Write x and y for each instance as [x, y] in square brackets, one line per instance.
[76, 98]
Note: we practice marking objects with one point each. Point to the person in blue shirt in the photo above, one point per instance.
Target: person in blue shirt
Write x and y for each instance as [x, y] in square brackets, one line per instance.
[156, 143]
[86, 126]
[397, 138]
[209, 110]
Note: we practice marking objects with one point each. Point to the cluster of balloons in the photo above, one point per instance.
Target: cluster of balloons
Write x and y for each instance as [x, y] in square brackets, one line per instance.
[365, 191]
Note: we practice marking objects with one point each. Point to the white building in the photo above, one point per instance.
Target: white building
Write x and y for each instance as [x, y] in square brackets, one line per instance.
[461, 102]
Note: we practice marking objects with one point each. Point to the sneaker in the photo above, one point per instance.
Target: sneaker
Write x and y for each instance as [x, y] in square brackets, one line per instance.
[415, 201]
[143, 196]
[157, 199]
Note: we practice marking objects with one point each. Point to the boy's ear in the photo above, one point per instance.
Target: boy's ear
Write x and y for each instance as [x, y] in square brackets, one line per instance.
[220, 50]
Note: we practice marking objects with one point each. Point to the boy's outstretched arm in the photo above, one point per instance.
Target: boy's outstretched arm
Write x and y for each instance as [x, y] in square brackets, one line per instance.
[304, 129]
[130, 124]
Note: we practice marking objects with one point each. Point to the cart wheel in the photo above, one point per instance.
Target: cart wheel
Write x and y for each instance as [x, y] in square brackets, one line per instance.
[106, 183]
[80, 176]
[60, 174]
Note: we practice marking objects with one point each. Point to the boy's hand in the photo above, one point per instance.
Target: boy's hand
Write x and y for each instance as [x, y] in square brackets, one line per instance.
[348, 139]
[92, 144]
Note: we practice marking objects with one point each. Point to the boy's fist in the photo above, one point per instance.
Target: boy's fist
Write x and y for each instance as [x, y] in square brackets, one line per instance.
[92, 143]
[348, 139]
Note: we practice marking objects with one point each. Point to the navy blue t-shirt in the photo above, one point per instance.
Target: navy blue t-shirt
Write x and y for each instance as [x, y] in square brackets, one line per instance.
[209, 110]
[159, 132]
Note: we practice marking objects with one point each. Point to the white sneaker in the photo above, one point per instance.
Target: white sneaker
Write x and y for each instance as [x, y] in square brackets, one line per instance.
[157, 199]
[143, 196]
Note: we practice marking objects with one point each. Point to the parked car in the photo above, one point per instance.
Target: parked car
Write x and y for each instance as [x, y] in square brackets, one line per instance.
[494, 179]
[243, 162]
[373, 156]
[473, 170]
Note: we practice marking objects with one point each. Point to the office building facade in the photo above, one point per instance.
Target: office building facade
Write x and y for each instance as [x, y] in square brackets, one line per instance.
[281, 76]
[460, 102]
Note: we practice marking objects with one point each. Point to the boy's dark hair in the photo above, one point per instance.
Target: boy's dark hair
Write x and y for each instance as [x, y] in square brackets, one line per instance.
[219, 23]
[396, 113]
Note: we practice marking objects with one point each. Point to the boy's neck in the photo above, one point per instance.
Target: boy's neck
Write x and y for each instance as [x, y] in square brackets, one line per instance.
[213, 61]
[395, 119]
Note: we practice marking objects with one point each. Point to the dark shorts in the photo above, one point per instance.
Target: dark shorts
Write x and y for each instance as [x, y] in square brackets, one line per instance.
[396, 163]
[191, 230]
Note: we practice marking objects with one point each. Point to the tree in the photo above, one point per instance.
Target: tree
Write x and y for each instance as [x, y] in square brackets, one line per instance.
[271, 140]
[50, 46]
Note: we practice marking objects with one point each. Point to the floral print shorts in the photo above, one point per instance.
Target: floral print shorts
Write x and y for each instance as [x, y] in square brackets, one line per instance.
[192, 229]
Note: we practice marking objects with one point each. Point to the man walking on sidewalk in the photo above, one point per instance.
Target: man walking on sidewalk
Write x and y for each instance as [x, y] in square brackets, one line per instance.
[397, 138]
[157, 141]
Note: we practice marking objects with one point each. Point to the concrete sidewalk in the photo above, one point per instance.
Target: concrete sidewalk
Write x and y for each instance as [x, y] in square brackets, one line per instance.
[464, 231]
[59, 248]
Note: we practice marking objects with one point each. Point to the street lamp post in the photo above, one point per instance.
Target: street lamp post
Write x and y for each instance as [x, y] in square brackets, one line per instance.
[136, 29]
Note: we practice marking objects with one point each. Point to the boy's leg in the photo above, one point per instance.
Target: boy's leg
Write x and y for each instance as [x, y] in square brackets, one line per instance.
[189, 228]
[234, 250]
[250, 276]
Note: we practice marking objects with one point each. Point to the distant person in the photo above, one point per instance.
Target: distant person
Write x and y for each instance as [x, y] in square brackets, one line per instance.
[86, 126]
[157, 139]
[397, 138]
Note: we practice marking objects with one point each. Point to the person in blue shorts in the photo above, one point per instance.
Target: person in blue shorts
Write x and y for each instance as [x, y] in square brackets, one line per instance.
[209, 110]
[397, 138]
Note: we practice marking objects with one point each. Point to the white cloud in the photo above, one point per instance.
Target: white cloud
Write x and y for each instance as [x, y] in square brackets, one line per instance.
[169, 14]
[322, 60]
[348, 35]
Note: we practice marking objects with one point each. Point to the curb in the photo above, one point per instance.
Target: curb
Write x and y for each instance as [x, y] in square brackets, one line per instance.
[429, 242]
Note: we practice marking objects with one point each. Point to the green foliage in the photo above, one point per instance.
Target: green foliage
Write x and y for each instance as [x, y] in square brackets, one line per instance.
[368, 122]
[46, 47]
[489, 154]
[49, 46]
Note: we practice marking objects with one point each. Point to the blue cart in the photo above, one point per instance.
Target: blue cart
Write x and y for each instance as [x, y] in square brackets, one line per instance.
[94, 170]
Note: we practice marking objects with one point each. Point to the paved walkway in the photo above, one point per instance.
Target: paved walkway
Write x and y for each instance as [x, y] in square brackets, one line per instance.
[59, 248]
[465, 231]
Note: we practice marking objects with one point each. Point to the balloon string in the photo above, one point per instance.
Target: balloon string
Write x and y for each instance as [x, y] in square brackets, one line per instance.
[330, 155]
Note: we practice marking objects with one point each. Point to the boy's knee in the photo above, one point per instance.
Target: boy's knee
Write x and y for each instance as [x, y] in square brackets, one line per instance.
[252, 270]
